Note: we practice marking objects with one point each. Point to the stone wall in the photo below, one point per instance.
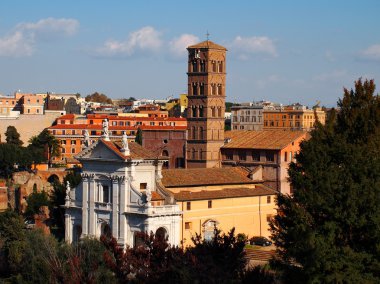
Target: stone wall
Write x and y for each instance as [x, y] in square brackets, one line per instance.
[28, 125]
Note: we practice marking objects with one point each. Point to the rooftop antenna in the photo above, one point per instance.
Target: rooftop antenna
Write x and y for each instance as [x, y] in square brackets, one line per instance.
[207, 35]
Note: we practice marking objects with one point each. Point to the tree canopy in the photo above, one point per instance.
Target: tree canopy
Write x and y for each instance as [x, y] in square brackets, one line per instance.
[328, 231]
[12, 136]
[98, 98]
[44, 141]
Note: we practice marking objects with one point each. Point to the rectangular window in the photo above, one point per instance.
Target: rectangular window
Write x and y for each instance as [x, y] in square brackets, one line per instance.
[73, 142]
[188, 205]
[242, 156]
[256, 156]
[209, 204]
[121, 123]
[73, 151]
[188, 225]
[270, 156]
[106, 194]
[268, 199]
[93, 132]
[286, 156]
[143, 185]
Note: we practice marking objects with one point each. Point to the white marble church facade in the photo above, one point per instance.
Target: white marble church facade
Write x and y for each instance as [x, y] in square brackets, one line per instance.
[120, 195]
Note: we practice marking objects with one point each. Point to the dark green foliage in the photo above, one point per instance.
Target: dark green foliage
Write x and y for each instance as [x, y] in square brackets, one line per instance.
[44, 143]
[12, 242]
[229, 105]
[329, 231]
[98, 98]
[221, 260]
[12, 158]
[57, 200]
[35, 201]
[13, 137]
[138, 138]
[155, 261]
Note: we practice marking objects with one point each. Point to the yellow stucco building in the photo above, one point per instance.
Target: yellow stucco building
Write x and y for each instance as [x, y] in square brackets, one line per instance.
[225, 197]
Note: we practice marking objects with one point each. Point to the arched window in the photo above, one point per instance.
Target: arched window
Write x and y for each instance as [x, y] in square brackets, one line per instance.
[106, 230]
[161, 234]
[194, 132]
[201, 111]
[209, 228]
[194, 110]
[193, 154]
[165, 153]
[219, 112]
[212, 111]
[201, 133]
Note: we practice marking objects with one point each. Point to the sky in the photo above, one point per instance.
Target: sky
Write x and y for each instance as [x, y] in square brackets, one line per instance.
[281, 51]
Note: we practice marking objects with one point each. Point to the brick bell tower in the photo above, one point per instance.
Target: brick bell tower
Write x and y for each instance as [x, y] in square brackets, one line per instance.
[206, 104]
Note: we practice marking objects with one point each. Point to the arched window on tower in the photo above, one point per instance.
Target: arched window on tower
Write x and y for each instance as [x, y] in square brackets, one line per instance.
[203, 66]
[220, 66]
[195, 66]
[195, 89]
[212, 111]
[201, 133]
[220, 89]
[201, 89]
[213, 63]
[200, 111]
[200, 154]
[193, 154]
[194, 111]
[214, 89]
[219, 112]
[194, 132]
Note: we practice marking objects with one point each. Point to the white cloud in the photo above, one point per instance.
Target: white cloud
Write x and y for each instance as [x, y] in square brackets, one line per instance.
[147, 39]
[246, 46]
[22, 40]
[16, 45]
[50, 27]
[372, 52]
[177, 46]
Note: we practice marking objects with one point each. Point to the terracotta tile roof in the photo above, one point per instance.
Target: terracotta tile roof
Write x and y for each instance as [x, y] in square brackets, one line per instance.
[136, 150]
[266, 139]
[156, 196]
[207, 44]
[67, 116]
[138, 118]
[211, 176]
[157, 127]
[91, 126]
[223, 193]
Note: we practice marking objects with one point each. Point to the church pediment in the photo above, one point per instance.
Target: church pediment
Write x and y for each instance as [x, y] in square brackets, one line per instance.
[99, 150]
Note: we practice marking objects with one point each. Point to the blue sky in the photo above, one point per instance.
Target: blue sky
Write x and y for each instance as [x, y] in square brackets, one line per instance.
[282, 51]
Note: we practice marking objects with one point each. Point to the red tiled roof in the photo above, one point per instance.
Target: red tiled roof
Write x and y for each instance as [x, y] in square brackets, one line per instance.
[157, 127]
[207, 44]
[156, 196]
[67, 116]
[115, 117]
[207, 176]
[266, 139]
[259, 190]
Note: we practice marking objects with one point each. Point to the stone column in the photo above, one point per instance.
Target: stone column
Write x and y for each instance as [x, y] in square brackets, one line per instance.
[124, 189]
[68, 228]
[91, 205]
[115, 204]
[85, 202]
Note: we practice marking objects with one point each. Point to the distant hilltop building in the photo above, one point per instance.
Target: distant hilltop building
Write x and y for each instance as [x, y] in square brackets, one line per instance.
[266, 115]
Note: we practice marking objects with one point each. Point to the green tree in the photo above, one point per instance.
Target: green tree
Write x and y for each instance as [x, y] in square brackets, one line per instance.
[328, 231]
[35, 201]
[44, 142]
[138, 138]
[13, 137]
[12, 158]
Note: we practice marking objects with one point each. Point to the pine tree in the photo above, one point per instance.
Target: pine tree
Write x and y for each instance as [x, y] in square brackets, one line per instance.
[329, 230]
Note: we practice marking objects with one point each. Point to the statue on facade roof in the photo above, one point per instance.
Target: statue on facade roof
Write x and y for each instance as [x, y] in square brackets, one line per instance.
[124, 144]
[68, 189]
[105, 130]
[86, 138]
